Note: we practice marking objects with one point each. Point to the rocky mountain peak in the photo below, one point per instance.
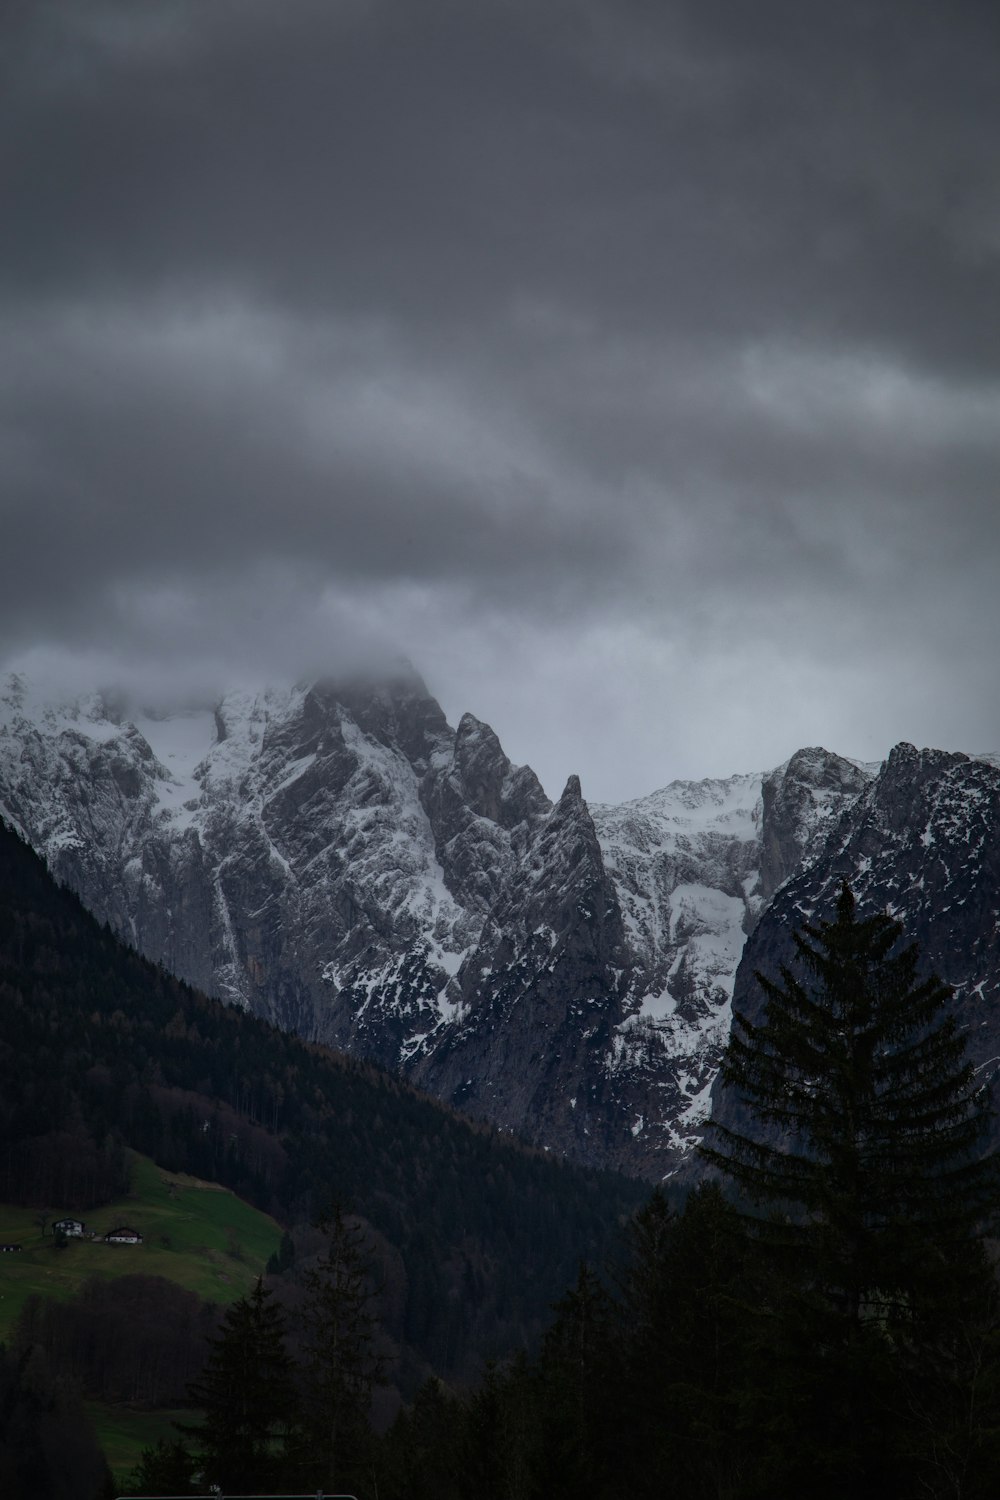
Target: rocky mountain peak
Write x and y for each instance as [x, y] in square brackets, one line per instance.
[906, 763]
[801, 802]
[904, 782]
[486, 783]
[923, 843]
[396, 710]
[541, 994]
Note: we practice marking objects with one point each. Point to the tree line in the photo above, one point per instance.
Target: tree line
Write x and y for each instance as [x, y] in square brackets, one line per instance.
[134, 1340]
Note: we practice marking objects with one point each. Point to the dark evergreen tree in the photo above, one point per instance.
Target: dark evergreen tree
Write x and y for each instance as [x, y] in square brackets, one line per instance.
[646, 1312]
[501, 1438]
[341, 1361]
[248, 1399]
[48, 1450]
[580, 1387]
[280, 1262]
[867, 1119]
[165, 1469]
[688, 1350]
[422, 1454]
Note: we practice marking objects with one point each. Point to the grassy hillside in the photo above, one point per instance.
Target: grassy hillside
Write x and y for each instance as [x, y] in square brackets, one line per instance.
[194, 1233]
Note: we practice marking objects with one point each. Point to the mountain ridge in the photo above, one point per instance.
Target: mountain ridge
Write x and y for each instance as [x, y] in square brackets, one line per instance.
[337, 858]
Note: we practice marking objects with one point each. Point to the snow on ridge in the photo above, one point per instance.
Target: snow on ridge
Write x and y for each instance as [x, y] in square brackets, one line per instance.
[719, 805]
[685, 863]
[180, 742]
[420, 890]
[685, 894]
[817, 756]
[702, 834]
[25, 701]
[243, 719]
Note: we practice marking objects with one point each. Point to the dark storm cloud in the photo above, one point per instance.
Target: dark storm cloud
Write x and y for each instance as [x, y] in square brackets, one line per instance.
[558, 331]
[835, 174]
[146, 444]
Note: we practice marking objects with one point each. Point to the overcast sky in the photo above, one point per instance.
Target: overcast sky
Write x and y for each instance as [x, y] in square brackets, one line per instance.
[632, 367]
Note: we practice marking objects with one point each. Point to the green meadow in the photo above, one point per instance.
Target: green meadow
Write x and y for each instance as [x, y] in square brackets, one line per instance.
[194, 1233]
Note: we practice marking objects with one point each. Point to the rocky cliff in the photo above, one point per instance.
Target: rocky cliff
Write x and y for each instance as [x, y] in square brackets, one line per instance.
[921, 840]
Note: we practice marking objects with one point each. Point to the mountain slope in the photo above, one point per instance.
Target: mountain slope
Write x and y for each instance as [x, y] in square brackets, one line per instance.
[476, 1235]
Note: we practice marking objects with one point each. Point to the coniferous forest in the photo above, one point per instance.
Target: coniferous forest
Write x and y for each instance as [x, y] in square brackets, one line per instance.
[819, 1315]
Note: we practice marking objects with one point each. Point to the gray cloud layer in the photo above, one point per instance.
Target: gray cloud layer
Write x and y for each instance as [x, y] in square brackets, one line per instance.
[634, 366]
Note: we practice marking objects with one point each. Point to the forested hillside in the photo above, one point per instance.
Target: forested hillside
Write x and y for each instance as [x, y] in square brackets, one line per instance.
[476, 1236]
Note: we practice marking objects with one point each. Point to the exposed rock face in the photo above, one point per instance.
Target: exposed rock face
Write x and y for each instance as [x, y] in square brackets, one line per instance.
[801, 799]
[684, 861]
[541, 995]
[340, 860]
[922, 840]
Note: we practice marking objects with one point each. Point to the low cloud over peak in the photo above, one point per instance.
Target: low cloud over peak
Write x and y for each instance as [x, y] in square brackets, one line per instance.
[634, 368]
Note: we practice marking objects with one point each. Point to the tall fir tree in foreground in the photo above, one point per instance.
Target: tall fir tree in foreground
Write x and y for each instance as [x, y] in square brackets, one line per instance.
[685, 1364]
[342, 1363]
[247, 1395]
[868, 1187]
[580, 1372]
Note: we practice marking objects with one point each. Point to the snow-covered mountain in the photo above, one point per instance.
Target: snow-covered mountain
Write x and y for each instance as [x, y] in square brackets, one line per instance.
[921, 841]
[337, 858]
[693, 866]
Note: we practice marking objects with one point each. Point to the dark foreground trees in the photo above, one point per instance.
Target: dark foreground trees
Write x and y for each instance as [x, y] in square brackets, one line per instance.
[867, 1119]
[47, 1448]
[867, 1193]
[248, 1399]
[824, 1323]
[271, 1422]
[341, 1362]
